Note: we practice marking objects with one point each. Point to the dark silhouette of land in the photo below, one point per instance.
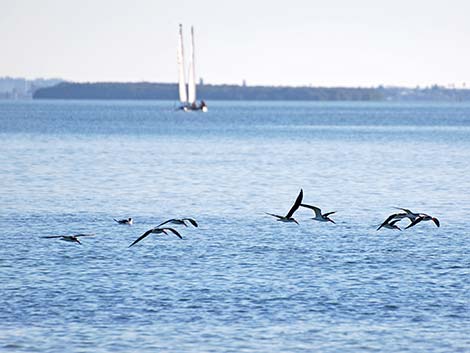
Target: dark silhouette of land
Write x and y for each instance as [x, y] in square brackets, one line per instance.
[169, 91]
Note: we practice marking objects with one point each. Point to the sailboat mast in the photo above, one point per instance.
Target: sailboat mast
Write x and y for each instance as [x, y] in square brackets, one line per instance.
[192, 73]
[181, 75]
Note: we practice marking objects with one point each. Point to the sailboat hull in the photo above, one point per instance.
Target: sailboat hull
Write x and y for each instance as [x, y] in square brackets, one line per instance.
[192, 108]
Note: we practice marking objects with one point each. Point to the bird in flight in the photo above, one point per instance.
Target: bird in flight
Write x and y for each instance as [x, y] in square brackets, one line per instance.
[423, 217]
[128, 221]
[318, 215]
[70, 238]
[157, 230]
[288, 217]
[180, 221]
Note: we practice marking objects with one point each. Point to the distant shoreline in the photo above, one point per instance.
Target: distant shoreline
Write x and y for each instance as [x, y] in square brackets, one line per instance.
[169, 91]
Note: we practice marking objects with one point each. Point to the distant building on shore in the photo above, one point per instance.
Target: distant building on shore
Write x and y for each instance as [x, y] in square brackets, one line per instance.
[21, 88]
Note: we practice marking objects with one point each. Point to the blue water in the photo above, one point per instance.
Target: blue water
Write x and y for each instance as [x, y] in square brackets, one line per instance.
[241, 282]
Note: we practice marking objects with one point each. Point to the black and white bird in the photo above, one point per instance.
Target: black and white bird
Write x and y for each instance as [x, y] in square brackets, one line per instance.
[128, 221]
[157, 230]
[180, 221]
[415, 218]
[69, 238]
[423, 217]
[318, 215]
[288, 217]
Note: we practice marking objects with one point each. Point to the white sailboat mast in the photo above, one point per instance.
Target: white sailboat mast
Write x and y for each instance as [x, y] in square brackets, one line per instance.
[192, 73]
[181, 75]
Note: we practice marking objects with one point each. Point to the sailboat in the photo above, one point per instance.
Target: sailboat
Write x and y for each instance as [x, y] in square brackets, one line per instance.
[187, 93]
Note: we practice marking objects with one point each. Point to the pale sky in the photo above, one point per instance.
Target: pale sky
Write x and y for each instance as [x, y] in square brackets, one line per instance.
[296, 42]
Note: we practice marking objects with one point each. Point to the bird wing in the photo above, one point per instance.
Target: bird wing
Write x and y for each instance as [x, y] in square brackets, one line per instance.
[141, 237]
[274, 215]
[168, 221]
[415, 222]
[296, 205]
[84, 235]
[52, 236]
[436, 221]
[315, 209]
[393, 222]
[116, 220]
[174, 231]
[404, 209]
[389, 218]
[328, 213]
[192, 221]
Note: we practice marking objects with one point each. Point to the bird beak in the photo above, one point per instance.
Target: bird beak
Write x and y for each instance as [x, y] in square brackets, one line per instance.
[296, 221]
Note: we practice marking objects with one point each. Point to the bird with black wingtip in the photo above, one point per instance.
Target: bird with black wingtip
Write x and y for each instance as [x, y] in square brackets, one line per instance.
[288, 217]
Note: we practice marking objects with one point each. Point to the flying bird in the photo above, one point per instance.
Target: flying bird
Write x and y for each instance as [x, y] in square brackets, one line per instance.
[288, 217]
[423, 217]
[318, 215]
[156, 230]
[180, 221]
[70, 238]
[128, 221]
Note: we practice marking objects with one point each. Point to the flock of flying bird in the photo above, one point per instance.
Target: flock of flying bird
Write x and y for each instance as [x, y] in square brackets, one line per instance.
[389, 223]
[129, 221]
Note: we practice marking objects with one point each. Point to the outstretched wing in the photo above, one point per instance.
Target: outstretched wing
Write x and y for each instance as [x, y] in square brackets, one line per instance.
[328, 213]
[52, 236]
[415, 222]
[192, 221]
[296, 205]
[436, 221]
[174, 231]
[84, 235]
[141, 237]
[168, 221]
[404, 209]
[274, 215]
[392, 216]
[315, 209]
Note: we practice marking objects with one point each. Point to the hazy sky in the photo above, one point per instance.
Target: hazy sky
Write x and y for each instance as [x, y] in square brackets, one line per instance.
[296, 42]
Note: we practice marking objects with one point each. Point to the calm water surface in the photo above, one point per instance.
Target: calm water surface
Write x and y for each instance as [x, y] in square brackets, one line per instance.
[241, 282]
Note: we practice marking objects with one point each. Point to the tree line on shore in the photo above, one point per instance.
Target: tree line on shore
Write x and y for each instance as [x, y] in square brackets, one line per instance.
[169, 91]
